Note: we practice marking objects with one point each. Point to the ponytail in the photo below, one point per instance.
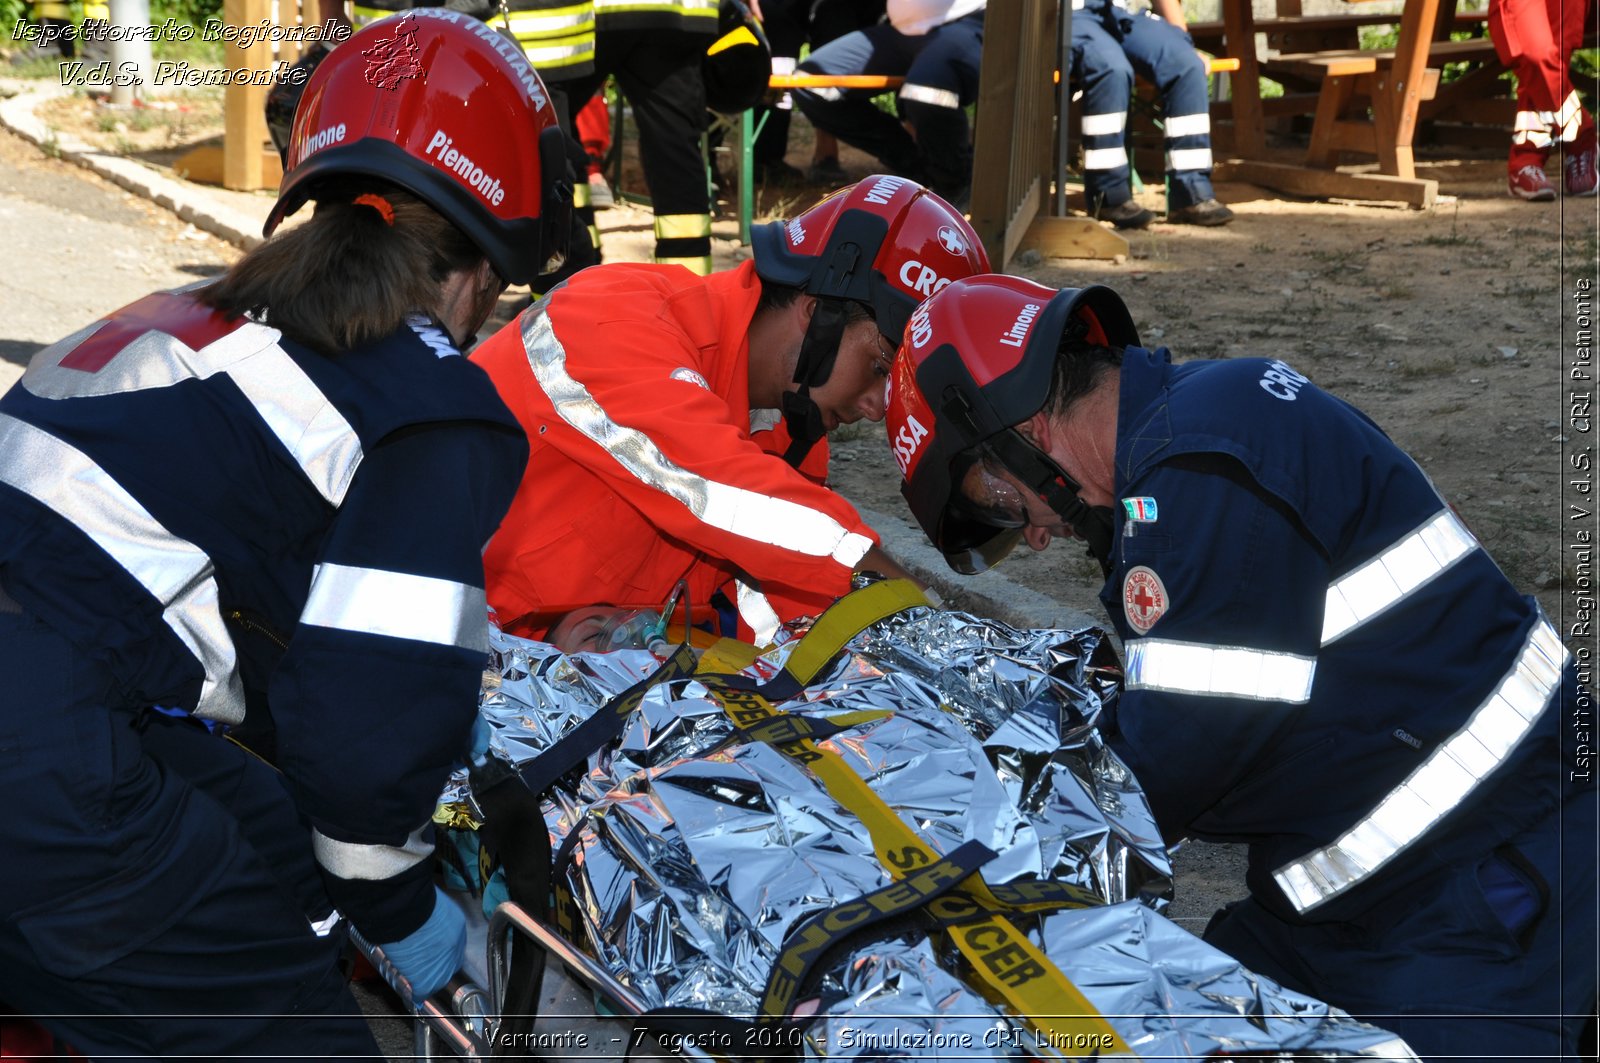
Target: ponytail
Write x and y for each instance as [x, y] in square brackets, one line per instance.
[371, 254]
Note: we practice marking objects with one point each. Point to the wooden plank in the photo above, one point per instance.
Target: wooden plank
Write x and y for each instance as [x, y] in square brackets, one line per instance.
[1249, 134]
[1336, 95]
[204, 165]
[995, 118]
[1213, 32]
[1396, 98]
[1273, 107]
[1073, 238]
[244, 121]
[1304, 181]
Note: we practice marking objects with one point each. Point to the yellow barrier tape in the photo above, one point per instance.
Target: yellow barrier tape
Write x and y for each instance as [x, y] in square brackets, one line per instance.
[1007, 964]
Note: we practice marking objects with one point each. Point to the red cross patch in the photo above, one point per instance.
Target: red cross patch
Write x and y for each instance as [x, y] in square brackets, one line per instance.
[1144, 598]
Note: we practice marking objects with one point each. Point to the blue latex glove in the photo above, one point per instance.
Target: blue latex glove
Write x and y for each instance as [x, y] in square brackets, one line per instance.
[432, 953]
[481, 733]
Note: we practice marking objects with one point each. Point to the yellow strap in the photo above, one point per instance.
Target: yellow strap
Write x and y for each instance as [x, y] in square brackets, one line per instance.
[1007, 964]
[846, 619]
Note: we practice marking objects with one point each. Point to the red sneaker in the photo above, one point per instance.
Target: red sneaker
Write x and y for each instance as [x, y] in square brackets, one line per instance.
[1579, 167]
[1531, 184]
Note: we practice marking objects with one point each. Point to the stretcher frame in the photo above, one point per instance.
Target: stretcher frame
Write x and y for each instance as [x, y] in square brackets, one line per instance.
[460, 1021]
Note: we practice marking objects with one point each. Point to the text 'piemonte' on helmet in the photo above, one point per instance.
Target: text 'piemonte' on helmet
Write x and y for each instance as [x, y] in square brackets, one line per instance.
[407, 100]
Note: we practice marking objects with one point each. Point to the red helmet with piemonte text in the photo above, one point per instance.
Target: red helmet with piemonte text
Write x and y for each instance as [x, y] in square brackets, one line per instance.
[886, 242]
[977, 361]
[439, 103]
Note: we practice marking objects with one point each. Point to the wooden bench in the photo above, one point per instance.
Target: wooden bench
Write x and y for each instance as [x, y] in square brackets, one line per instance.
[1309, 33]
[1351, 75]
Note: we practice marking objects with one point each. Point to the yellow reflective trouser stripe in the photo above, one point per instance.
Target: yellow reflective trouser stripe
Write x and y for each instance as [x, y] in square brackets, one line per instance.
[360, 14]
[682, 226]
[1002, 957]
[580, 194]
[97, 12]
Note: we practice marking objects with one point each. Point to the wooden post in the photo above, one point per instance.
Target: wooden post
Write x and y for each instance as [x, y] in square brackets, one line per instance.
[1399, 90]
[1239, 30]
[245, 122]
[1014, 163]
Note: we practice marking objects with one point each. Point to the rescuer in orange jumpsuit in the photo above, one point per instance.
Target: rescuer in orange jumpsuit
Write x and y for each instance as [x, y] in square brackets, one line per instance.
[676, 422]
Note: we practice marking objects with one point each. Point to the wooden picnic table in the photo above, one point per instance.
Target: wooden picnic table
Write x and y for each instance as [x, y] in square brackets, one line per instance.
[1396, 80]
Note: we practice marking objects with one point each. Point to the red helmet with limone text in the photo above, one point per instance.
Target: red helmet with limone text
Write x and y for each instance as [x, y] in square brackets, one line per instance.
[437, 102]
[977, 361]
[886, 242]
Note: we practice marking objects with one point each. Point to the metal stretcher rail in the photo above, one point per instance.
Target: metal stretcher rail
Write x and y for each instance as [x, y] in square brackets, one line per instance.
[460, 1020]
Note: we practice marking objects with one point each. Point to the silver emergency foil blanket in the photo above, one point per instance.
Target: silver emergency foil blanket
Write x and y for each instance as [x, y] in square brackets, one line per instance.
[697, 853]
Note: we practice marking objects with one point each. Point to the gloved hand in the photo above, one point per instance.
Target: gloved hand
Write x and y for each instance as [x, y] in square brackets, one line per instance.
[432, 953]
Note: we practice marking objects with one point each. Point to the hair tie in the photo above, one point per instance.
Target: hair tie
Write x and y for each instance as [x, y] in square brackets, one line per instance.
[384, 208]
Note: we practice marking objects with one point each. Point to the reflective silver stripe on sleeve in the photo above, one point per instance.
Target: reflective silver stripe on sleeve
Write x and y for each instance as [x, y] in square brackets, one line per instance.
[373, 601]
[747, 514]
[1365, 592]
[1439, 783]
[1223, 671]
[322, 442]
[177, 573]
[757, 613]
[369, 863]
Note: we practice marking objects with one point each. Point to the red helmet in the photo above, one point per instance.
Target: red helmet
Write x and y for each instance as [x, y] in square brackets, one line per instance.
[976, 362]
[886, 242]
[914, 242]
[439, 103]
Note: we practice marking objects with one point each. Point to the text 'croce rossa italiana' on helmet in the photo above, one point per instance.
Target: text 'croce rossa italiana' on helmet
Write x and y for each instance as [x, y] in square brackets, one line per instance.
[977, 361]
[885, 242]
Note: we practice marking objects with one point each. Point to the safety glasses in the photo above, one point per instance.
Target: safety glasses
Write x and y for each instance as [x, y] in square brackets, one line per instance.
[986, 494]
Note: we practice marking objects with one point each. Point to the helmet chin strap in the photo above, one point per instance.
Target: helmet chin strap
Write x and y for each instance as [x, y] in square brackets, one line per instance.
[1041, 475]
[818, 352]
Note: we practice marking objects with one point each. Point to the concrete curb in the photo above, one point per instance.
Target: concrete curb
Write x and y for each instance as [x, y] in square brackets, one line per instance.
[184, 200]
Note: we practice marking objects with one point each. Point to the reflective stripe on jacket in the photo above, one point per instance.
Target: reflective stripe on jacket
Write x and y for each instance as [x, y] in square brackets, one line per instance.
[1321, 659]
[557, 36]
[208, 509]
[632, 382]
[697, 16]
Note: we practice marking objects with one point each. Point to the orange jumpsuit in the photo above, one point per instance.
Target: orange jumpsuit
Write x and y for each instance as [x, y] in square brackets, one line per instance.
[632, 383]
